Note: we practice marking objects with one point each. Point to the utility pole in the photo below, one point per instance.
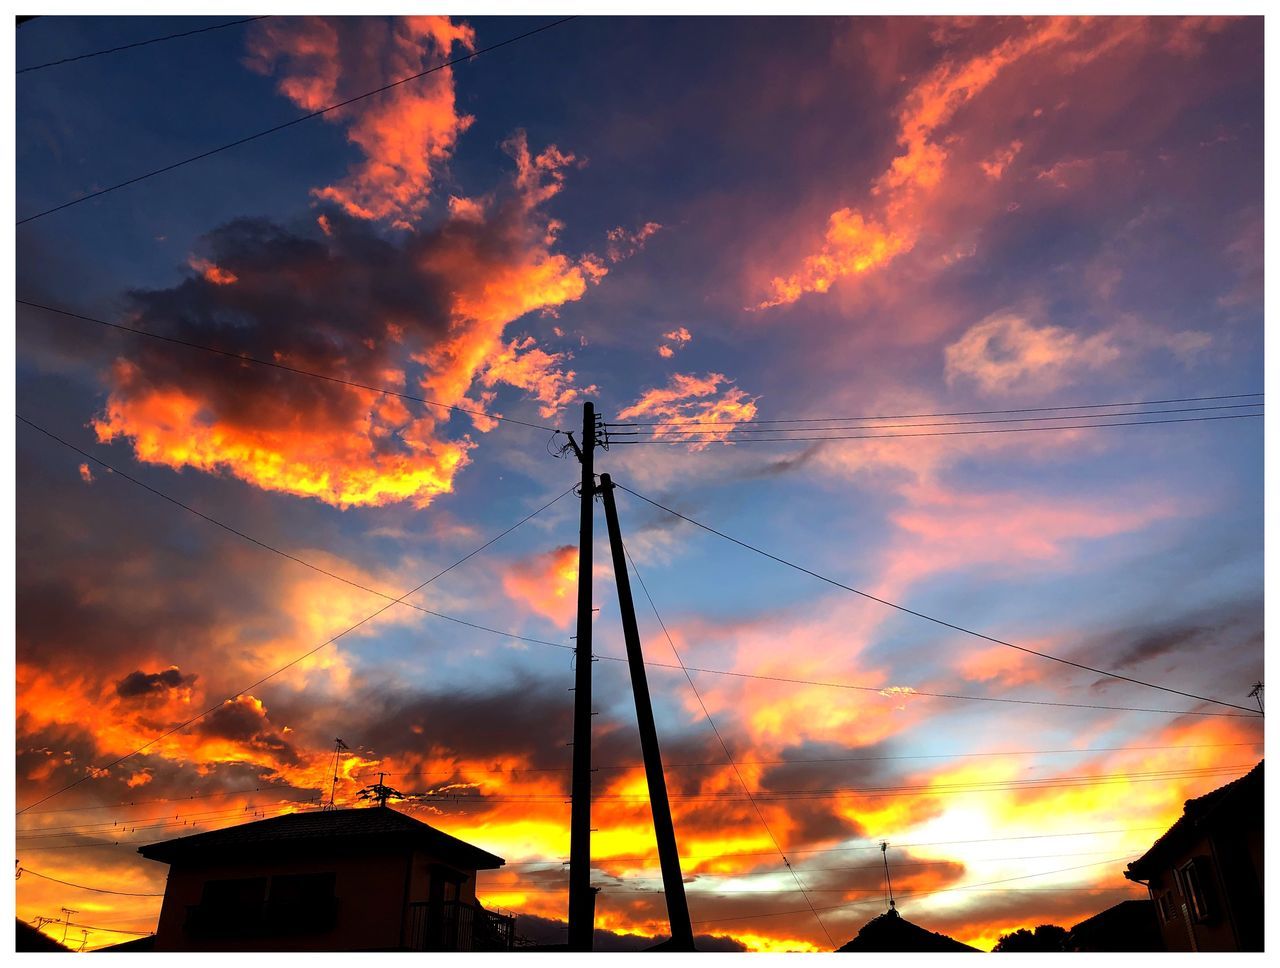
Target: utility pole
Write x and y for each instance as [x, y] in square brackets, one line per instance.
[582, 902]
[888, 883]
[663, 829]
[338, 746]
[1256, 693]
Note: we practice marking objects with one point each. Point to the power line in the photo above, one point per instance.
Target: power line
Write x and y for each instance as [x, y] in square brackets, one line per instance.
[832, 793]
[82, 887]
[724, 746]
[825, 759]
[778, 432]
[935, 433]
[300, 658]
[139, 803]
[140, 43]
[611, 658]
[289, 124]
[950, 413]
[937, 621]
[284, 554]
[274, 364]
[920, 894]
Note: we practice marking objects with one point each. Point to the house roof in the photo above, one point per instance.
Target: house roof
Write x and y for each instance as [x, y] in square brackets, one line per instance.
[1245, 792]
[892, 932]
[1128, 926]
[27, 938]
[314, 828]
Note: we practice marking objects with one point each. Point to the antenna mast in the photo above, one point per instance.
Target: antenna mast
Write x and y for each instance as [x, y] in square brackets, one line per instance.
[888, 882]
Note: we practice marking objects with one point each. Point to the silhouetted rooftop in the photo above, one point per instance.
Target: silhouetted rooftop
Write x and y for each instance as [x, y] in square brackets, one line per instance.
[365, 825]
[892, 932]
[1247, 791]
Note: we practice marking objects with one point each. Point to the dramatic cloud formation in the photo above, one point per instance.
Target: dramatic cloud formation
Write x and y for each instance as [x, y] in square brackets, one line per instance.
[429, 310]
[623, 244]
[695, 401]
[677, 339]
[406, 133]
[546, 584]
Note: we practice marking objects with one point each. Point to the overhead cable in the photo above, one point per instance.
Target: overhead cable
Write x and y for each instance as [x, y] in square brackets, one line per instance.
[938, 621]
[295, 661]
[276, 365]
[140, 43]
[288, 124]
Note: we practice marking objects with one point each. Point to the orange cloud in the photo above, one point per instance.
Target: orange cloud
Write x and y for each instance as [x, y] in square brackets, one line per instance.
[86, 474]
[858, 241]
[547, 584]
[487, 265]
[212, 273]
[697, 401]
[677, 339]
[407, 133]
[339, 463]
[623, 244]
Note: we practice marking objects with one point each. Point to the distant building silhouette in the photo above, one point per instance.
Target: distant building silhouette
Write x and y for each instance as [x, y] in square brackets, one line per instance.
[892, 932]
[27, 938]
[369, 879]
[1205, 874]
[1128, 926]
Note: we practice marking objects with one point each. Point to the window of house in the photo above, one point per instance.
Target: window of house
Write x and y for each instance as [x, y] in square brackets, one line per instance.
[1193, 879]
[237, 892]
[1168, 911]
[302, 889]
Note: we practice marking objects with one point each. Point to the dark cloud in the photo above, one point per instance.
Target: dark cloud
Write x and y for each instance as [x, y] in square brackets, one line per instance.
[545, 931]
[141, 683]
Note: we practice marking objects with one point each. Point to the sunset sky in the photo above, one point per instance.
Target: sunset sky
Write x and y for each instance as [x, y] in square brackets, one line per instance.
[706, 220]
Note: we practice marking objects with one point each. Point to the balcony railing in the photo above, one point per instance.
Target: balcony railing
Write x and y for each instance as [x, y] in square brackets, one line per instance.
[457, 926]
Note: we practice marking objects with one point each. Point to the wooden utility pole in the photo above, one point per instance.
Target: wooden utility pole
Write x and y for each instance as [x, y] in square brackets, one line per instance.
[581, 896]
[663, 829]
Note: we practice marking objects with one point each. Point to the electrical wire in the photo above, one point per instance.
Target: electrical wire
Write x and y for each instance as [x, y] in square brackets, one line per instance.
[778, 432]
[936, 433]
[140, 43]
[611, 658]
[808, 760]
[951, 413]
[920, 894]
[284, 554]
[139, 803]
[288, 124]
[724, 746]
[295, 661]
[835, 793]
[276, 365]
[96, 890]
[718, 855]
[938, 621]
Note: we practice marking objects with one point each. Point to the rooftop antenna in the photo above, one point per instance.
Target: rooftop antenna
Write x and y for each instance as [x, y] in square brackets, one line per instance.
[380, 792]
[1256, 693]
[338, 746]
[66, 923]
[888, 882]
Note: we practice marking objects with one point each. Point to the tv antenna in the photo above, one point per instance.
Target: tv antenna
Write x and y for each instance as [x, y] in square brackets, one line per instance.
[888, 882]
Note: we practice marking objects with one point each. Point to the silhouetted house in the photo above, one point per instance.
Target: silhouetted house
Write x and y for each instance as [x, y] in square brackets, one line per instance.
[892, 932]
[1205, 874]
[371, 879]
[1128, 926]
[27, 938]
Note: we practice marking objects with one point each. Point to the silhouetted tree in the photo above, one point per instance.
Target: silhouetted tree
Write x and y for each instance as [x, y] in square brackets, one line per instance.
[1046, 937]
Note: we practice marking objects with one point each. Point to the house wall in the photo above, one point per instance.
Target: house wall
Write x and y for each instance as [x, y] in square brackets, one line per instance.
[1231, 859]
[372, 888]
